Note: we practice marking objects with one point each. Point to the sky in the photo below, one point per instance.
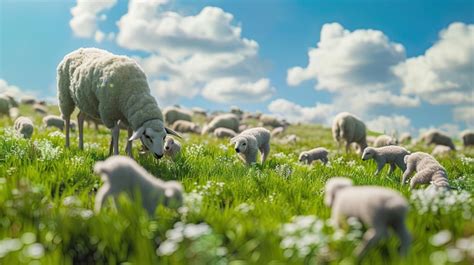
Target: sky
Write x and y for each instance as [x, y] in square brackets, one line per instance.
[402, 66]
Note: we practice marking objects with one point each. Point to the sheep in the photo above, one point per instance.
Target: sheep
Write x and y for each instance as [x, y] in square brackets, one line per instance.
[349, 129]
[392, 155]
[199, 111]
[172, 147]
[224, 133]
[56, 121]
[278, 131]
[467, 138]
[14, 113]
[24, 126]
[122, 174]
[428, 171]
[319, 153]
[173, 114]
[385, 140]
[229, 121]
[4, 106]
[243, 127]
[43, 110]
[377, 208]
[405, 138]
[268, 120]
[248, 142]
[28, 100]
[236, 111]
[370, 140]
[437, 137]
[290, 139]
[111, 88]
[11, 98]
[441, 150]
[182, 126]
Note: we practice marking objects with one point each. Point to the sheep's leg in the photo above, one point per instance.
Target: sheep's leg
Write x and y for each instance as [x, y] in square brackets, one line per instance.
[101, 198]
[401, 165]
[392, 168]
[66, 121]
[371, 237]
[80, 126]
[128, 149]
[324, 160]
[380, 165]
[410, 168]
[348, 147]
[422, 177]
[251, 157]
[265, 150]
[403, 234]
[115, 139]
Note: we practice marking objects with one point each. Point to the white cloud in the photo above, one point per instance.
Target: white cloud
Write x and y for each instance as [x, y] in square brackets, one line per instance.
[99, 36]
[464, 114]
[85, 16]
[9, 89]
[450, 129]
[320, 113]
[233, 90]
[444, 74]
[391, 125]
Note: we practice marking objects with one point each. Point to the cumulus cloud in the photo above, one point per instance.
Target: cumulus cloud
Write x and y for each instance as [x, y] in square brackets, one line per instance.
[320, 113]
[395, 124]
[9, 89]
[85, 17]
[233, 90]
[464, 114]
[356, 66]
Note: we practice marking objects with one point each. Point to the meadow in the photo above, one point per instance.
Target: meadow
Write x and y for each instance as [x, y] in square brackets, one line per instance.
[233, 214]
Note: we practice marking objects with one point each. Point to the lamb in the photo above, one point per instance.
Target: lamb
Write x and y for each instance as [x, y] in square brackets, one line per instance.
[4, 106]
[173, 114]
[377, 208]
[186, 127]
[385, 140]
[237, 111]
[28, 100]
[467, 138]
[111, 88]
[24, 126]
[224, 133]
[405, 138]
[436, 137]
[199, 111]
[41, 109]
[14, 113]
[122, 174]
[11, 98]
[56, 121]
[392, 155]
[229, 121]
[349, 129]
[248, 142]
[319, 153]
[441, 150]
[278, 131]
[268, 120]
[428, 171]
[172, 147]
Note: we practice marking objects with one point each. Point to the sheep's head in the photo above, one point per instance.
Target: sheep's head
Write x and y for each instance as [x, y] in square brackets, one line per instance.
[152, 134]
[369, 153]
[173, 194]
[303, 157]
[240, 144]
[115, 167]
[405, 159]
[169, 143]
[334, 185]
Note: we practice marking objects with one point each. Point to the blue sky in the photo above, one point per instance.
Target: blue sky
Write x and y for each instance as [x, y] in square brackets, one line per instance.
[35, 35]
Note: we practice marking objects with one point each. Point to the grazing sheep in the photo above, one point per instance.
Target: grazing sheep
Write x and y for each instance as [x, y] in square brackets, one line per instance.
[248, 142]
[437, 137]
[11, 98]
[229, 121]
[186, 127]
[405, 138]
[123, 175]
[392, 155]
[14, 113]
[173, 114]
[467, 138]
[268, 120]
[243, 127]
[428, 171]
[237, 111]
[172, 147]
[278, 131]
[224, 133]
[4, 106]
[441, 150]
[199, 111]
[24, 126]
[55, 121]
[28, 100]
[43, 110]
[111, 88]
[377, 208]
[385, 140]
[349, 129]
[319, 153]
[370, 140]
[290, 139]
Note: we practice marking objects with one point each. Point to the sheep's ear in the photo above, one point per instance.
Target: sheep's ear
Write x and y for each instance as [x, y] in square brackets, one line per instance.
[137, 134]
[170, 131]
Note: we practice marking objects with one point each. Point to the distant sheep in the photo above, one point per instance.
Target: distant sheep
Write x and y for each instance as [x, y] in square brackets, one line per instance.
[385, 140]
[349, 129]
[428, 171]
[268, 120]
[28, 100]
[4, 106]
[14, 113]
[224, 133]
[467, 138]
[11, 98]
[243, 127]
[24, 126]
[441, 150]
[229, 121]
[370, 140]
[172, 147]
[377, 208]
[278, 131]
[392, 155]
[55, 121]
[319, 153]
[438, 138]
[173, 114]
[123, 175]
[237, 111]
[199, 111]
[405, 138]
[249, 142]
[41, 109]
[186, 127]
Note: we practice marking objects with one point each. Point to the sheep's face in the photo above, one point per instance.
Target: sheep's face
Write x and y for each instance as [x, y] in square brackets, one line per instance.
[240, 144]
[303, 158]
[152, 134]
[169, 144]
[368, 153]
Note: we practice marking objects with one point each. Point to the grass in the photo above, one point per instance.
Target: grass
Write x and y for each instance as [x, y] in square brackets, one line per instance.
[233, 214]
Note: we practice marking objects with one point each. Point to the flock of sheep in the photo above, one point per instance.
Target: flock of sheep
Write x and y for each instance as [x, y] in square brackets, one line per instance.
[113, 91]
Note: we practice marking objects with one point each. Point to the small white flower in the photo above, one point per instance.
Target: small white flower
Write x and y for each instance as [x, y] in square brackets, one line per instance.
[441, 238]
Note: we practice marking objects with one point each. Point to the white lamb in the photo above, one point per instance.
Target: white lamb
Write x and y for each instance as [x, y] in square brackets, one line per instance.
[172, 147]
[405, 138]
[319, 153]
[24, 126]
[441, 150]
[349, 129]
[385, 140]
[224, 133]
[392, 155]
[111, 88]
[249, 142]
[186, 127]
[377, 208]
[278, 131]
[173, 114]
[428, 169]
[229, 121]
[123, 175]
